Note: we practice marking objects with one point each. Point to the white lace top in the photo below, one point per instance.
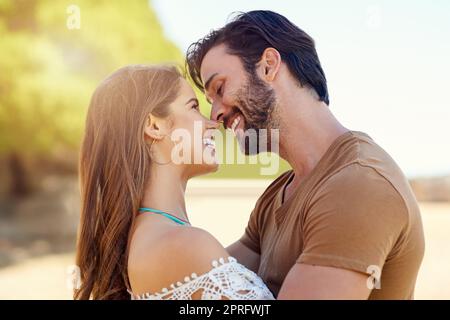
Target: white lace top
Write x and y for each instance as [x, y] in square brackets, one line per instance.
[227, 279]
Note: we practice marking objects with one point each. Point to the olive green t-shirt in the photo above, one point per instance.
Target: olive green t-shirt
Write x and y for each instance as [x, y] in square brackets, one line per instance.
[354, 211]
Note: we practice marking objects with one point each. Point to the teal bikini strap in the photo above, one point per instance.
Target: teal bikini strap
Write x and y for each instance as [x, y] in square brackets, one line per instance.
[165, 214]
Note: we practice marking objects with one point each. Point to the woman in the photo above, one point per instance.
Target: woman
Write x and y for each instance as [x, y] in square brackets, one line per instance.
[135, 239]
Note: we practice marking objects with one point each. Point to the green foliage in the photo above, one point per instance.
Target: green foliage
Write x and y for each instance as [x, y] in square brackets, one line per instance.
[48, 72]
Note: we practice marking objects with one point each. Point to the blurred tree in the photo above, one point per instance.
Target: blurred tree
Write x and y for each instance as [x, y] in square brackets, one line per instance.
[48, 71]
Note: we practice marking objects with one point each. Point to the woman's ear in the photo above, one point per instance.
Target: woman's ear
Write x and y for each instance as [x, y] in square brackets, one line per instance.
[270, 63]
[153, 128]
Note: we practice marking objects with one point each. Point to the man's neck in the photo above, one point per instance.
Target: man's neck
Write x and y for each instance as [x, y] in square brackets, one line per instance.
[307, 130]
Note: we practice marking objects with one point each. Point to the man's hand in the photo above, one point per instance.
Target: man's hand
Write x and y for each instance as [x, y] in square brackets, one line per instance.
[316, 282]
[244, 255]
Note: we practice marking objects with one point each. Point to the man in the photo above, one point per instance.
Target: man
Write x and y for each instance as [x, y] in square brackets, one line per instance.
[344, 223]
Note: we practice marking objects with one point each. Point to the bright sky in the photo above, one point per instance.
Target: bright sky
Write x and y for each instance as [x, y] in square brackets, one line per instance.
[387, 65]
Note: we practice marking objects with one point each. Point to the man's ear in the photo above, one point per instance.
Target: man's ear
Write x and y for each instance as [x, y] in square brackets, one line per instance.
[153, 128]
[270, 64]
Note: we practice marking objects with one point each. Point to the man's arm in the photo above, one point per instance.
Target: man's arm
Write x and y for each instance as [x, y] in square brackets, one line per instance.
[316, 282]
[244, 255]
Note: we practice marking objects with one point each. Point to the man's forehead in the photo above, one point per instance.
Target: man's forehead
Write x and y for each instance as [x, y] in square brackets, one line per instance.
[213, 62]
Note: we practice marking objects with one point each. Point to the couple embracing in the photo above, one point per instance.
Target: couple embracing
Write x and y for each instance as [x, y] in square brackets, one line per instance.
[342, 224]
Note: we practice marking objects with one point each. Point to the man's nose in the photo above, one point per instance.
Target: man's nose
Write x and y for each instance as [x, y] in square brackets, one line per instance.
[217, 111]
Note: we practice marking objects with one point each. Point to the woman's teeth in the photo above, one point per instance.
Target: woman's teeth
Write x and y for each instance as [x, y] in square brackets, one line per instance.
[209, 142]
[235, 123]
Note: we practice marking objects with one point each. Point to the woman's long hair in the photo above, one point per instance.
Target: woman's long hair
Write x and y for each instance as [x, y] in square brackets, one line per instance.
[114, 165]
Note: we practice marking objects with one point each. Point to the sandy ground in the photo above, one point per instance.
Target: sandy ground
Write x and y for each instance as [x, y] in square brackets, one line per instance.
[223, 210]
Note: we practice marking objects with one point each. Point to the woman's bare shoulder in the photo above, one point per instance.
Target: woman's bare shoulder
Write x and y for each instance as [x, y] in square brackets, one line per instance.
[179, 251]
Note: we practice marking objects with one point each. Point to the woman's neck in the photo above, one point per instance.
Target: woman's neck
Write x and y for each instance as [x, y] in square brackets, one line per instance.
[165, 190]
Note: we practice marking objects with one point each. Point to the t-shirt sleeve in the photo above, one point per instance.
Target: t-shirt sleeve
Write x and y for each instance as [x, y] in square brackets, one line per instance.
[353, 221]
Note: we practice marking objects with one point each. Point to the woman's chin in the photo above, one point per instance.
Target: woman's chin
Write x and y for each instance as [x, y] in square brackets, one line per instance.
[214, 167]
[209, 167]
[201, 169]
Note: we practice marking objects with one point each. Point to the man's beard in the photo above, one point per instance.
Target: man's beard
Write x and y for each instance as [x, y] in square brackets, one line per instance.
[257, 102]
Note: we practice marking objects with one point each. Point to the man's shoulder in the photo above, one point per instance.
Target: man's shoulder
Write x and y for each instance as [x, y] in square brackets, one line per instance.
[362, 162]
[357, 175]
[371, 155]
[361, 189]
[372, 167]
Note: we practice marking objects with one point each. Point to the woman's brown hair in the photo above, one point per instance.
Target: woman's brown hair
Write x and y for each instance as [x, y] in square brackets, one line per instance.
[114, 165]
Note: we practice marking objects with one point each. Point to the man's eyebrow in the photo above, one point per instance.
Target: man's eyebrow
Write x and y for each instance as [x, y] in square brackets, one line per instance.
[208, 82]
[192, 100]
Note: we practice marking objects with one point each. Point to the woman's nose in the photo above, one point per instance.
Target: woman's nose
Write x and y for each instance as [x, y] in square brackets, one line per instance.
[212, 124]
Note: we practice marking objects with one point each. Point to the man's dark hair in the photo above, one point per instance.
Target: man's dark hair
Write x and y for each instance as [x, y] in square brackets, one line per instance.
[249, 34]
